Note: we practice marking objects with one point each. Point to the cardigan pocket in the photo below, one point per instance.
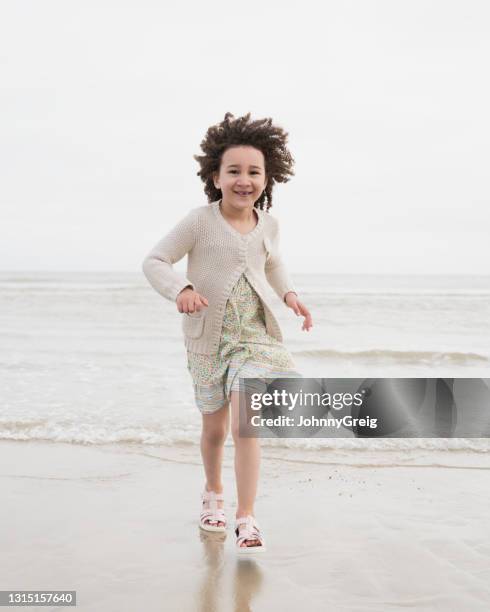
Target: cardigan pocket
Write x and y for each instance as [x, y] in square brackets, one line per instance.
[193, 324]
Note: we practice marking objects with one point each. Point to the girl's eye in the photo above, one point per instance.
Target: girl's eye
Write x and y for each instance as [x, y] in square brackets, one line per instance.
[235, 171]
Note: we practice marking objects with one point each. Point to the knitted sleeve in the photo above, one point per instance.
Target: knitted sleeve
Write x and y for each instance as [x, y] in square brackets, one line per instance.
[157, 265]
[275, 269]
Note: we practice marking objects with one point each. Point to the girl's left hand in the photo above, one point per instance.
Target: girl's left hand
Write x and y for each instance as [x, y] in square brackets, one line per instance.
[299, 308]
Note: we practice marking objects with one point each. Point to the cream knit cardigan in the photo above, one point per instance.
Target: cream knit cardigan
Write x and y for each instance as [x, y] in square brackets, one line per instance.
[217, 254]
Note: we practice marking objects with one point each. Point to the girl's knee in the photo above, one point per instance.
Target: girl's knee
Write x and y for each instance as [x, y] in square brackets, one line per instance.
[235, 433]
[215, 426]
[245, 438]
[215, 436]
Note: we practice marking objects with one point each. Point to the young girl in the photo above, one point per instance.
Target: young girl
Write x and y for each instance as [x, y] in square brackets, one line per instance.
[229, 328]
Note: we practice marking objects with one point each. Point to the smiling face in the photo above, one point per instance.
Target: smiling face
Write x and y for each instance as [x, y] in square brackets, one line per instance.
[241, 176]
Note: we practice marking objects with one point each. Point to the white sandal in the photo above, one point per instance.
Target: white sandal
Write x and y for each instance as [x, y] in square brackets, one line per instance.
[247, 528]
[213, 514]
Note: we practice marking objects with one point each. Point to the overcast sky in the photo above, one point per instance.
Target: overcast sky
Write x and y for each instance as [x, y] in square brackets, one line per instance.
[104, 103]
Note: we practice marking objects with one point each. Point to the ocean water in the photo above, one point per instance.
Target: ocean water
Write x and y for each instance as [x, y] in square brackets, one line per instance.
[99, 358]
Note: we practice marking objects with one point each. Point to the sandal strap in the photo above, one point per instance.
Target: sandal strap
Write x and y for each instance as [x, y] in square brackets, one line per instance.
[219, 512]
[213, 517]
[212, 495]
[249, 531]
[212, 514]
[249, 520]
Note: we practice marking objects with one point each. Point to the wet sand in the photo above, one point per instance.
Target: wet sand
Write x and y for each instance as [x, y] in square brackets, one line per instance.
[345, 530]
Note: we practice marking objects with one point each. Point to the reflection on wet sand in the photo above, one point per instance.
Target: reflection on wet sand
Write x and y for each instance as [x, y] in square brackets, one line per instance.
[212, 590]
[248, 580]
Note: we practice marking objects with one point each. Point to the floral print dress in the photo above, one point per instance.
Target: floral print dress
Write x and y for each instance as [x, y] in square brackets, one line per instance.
[245, 350]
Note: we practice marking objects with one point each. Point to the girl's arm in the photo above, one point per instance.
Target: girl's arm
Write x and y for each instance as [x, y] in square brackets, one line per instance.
[157, 265]
[276, 272]
[278, 278]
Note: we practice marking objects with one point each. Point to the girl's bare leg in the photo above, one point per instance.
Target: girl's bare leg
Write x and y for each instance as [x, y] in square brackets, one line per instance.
[247, 464]
[215, 429]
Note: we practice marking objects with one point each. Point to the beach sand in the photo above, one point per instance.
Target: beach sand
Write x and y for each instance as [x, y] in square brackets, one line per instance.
[345, 530]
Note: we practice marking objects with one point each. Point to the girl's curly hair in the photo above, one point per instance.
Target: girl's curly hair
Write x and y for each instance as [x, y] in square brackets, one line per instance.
[262, 135]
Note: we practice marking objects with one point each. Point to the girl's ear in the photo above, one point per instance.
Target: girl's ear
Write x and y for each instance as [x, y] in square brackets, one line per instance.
[215, 180]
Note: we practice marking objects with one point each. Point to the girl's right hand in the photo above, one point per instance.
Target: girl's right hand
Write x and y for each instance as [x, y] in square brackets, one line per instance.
[189, 300]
